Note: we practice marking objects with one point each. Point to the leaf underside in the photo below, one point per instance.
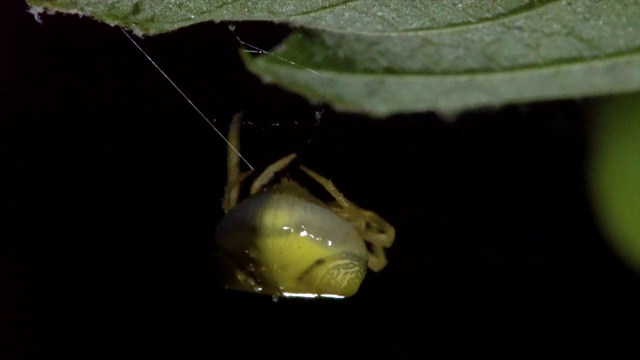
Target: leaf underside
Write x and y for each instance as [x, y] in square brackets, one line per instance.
[383, 57]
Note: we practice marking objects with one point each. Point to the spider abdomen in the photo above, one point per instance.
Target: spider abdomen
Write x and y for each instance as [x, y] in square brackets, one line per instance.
[281, 243]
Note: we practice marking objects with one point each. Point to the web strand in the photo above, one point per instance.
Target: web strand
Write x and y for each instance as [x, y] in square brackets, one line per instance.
[187, 99]
[252, 49]
[256, 50]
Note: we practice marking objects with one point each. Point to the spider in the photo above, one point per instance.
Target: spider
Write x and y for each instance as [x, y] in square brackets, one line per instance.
[283, 241]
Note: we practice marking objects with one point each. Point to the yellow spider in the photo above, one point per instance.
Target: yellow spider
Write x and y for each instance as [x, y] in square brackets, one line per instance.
[283, 241]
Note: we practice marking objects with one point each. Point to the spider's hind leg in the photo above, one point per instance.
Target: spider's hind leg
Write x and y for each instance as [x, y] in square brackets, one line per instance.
[378, 233]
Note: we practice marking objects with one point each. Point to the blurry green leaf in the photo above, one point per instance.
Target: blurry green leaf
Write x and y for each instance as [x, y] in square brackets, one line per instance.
[615, 173]
[382, 57]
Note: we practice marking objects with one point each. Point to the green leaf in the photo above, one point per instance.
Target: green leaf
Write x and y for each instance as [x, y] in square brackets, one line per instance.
[614, 173]
[383, 57]
[149, 17]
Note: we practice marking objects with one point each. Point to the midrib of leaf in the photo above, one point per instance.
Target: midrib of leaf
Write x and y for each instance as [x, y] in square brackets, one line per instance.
[622, 56]
[635, 52]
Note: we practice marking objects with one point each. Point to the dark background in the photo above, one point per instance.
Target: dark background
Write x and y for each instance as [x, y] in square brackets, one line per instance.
[110, 188]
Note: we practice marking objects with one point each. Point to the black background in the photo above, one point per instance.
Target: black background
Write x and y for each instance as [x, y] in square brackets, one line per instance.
[110, 188]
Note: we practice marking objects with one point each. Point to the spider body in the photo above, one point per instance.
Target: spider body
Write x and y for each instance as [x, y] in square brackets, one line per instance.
[283, 241]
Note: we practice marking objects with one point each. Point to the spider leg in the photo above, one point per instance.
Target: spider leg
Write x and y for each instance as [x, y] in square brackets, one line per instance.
[380, 231]
[380, 234]
[232, 189]
[328, 185]
[235, 178]
[374, 229]
[268, 173]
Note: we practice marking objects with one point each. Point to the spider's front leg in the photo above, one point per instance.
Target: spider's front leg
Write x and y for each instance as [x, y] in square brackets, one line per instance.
[234, 179]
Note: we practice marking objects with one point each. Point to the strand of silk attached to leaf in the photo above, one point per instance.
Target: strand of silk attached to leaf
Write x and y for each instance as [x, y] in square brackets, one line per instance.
[252, 49]
[249, 48]
[188, 100]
